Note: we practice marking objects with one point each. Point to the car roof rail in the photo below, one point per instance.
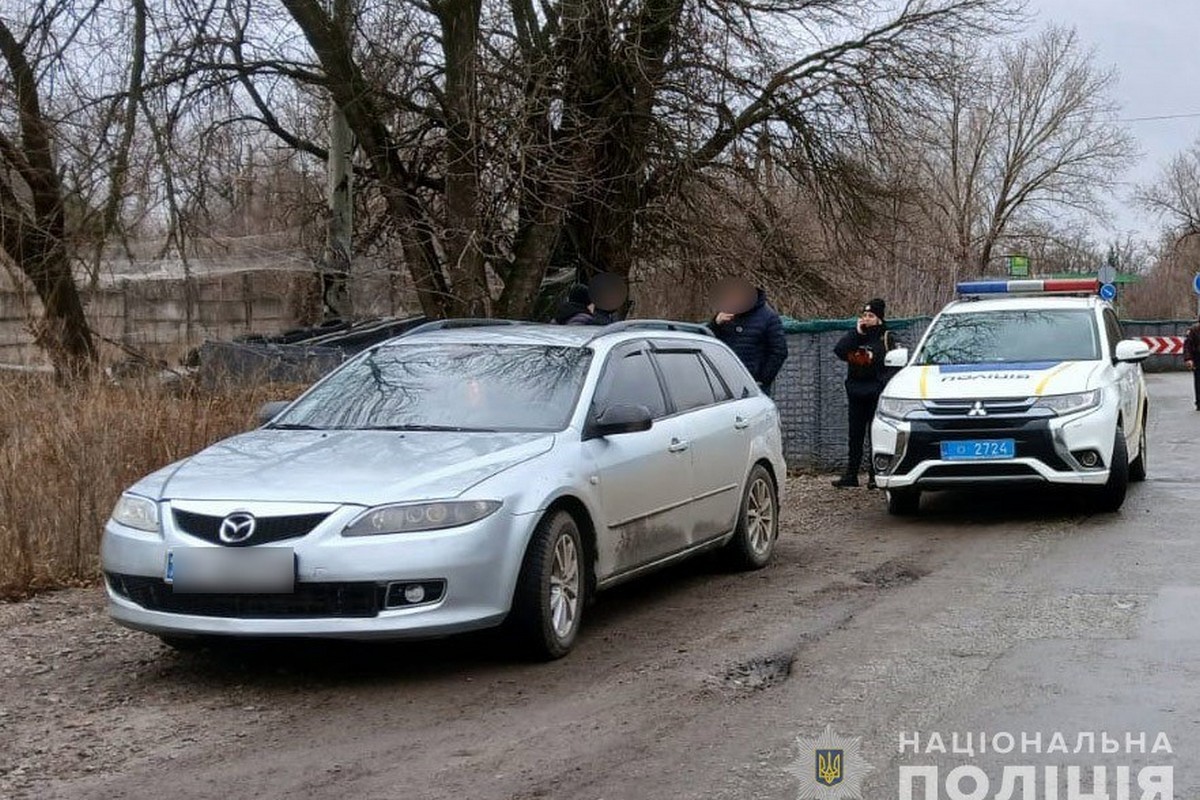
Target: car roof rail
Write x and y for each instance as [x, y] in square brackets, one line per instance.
[654, 325]
[464, 322]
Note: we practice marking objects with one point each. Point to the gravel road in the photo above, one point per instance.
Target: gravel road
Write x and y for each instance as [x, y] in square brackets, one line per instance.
[987, 611]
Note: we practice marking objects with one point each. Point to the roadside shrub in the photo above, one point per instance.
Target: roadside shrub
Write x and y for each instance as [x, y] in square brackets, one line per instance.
[67, 453]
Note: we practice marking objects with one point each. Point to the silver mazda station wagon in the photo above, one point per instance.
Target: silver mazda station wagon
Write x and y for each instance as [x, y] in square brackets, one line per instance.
[455, 479]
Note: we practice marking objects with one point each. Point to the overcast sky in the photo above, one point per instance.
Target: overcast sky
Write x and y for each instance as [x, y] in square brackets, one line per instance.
[1153, 46]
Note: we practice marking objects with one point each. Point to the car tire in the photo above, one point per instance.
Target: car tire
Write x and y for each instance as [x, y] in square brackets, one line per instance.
[1137, 467]
[551, 589]
[1109, 498]
[753, 541]
[185, 644]
[903, 502]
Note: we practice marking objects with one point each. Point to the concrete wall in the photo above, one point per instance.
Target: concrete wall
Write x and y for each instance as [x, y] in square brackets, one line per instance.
[164, 317]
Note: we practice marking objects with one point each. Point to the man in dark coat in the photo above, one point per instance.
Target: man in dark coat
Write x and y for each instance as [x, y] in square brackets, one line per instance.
[752, 329]
[577, 309]
[1191, 354]
[864, 349]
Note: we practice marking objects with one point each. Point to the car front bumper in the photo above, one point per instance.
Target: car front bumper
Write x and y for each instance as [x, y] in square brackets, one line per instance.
[341, 583]
[907, 454]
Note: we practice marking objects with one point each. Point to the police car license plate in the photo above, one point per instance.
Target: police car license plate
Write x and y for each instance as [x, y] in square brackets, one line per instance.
[979, 449]
[198, 570]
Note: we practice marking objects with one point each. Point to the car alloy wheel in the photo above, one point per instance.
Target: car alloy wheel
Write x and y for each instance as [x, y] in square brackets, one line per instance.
[760, 516]
[564, 587]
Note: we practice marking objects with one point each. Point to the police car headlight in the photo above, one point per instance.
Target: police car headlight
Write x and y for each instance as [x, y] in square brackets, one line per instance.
[1070, 403]
[895, 408]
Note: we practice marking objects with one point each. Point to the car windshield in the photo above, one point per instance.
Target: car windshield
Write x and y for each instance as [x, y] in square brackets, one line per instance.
[447, 387]
[1010, 337]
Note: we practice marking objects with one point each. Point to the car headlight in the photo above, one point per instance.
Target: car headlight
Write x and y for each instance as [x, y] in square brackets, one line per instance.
[1070, 403]
[417, 517]
[895, 408]
[136, 512]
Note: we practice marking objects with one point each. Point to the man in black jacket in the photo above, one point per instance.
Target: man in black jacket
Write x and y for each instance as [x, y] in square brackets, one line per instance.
[1191, 354]
[864, 349]
[751, 328]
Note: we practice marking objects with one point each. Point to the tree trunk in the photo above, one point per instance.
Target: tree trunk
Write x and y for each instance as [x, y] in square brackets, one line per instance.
[34, 235]
[464, 252]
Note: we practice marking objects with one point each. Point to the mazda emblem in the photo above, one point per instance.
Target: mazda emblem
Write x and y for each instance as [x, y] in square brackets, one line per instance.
[237, 528]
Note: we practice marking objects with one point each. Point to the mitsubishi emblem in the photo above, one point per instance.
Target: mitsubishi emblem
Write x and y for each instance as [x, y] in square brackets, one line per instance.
[978, 410]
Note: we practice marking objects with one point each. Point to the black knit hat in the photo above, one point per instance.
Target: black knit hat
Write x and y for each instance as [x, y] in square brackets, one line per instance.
[876, 307]
[579, 295]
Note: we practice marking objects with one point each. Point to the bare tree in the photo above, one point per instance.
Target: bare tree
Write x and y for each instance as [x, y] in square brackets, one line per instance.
[1031, 137]
[1174, 196]
[33, 208]
[503, 138]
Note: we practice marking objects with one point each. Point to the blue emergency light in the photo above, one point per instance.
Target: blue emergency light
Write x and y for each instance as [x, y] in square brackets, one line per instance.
[1026, 286]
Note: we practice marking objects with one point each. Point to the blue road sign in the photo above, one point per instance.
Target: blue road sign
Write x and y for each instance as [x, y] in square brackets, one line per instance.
[1108, 291]
[1196, 283]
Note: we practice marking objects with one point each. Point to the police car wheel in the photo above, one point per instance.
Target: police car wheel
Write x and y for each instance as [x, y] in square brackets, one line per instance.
[1110, 497]
[903, 503]
[185, 644]
[1137, 467]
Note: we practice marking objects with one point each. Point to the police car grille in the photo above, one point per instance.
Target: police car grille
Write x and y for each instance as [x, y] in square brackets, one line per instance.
[963, 408]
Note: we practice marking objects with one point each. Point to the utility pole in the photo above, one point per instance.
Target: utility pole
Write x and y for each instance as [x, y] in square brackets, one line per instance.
[336, 258]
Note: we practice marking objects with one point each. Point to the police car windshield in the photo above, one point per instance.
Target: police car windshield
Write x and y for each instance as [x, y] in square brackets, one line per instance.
[1012, 336]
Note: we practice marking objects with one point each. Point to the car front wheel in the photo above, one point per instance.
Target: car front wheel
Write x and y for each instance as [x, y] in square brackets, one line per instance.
[548, 604]
[1109, 498]
[1137, 468]
[903, 502]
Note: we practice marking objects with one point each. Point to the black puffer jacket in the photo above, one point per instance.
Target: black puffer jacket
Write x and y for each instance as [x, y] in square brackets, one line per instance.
[569, 313]
[866, 374]
[757, 338]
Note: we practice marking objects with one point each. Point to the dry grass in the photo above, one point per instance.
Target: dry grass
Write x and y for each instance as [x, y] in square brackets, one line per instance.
[67, 453]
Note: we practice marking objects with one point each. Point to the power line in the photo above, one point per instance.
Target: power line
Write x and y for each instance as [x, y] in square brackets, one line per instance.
[1160, 117]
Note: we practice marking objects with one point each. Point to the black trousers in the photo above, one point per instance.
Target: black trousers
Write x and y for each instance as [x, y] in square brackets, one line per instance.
[862, 411]
[1196, 383]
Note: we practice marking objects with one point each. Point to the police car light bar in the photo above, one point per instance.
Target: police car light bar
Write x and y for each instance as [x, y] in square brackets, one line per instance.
[1064, 286]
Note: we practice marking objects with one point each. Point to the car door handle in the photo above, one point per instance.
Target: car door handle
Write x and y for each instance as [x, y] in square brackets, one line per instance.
[741, 423]
[678, 446]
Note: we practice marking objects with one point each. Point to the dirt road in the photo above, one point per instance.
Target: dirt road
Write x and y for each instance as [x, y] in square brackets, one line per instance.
[988, 613]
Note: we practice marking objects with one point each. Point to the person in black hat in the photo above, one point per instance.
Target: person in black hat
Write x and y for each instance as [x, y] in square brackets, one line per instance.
[1191, 354]
[864, 349]
[577, 309]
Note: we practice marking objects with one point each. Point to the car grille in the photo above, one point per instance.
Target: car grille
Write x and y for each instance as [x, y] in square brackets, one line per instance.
[981, 471]
[1032, 437]
[308, 600]
[266, 529]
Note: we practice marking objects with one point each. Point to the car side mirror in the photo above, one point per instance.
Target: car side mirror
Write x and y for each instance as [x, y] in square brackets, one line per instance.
[615, 420]
[1131, 351]
[269, 411]
[897, 358]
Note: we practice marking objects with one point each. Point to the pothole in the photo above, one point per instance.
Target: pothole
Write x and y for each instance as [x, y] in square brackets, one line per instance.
[757, 674]
[890, 574]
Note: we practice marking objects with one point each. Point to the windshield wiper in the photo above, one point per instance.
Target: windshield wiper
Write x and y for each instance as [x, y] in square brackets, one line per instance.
[427, 428]
[293, 426]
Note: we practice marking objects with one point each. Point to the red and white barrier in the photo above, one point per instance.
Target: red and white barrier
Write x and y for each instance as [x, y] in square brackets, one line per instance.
[1165, 345]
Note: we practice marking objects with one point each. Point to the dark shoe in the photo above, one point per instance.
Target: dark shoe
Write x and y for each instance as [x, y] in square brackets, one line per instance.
[846, 482]
[872, 485]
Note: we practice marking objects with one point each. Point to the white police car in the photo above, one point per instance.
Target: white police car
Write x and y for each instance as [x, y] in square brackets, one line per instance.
[1017, 382]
